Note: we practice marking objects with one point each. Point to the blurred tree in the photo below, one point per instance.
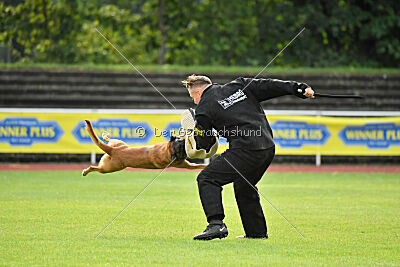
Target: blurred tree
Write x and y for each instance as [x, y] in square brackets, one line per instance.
[162, 31]
[224, 32]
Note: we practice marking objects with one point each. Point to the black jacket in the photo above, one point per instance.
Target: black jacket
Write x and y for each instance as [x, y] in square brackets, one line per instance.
[234, 110]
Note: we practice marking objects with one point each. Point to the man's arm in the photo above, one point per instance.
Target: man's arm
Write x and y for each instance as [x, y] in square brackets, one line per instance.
[264, 89]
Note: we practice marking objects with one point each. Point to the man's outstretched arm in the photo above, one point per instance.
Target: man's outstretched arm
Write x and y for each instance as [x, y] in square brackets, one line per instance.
[264, 89]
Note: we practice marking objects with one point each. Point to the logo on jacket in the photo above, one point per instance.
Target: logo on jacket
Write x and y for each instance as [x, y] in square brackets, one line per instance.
[232, 99]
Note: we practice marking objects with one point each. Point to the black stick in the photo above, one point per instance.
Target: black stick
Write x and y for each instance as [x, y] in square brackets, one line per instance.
[338, 96]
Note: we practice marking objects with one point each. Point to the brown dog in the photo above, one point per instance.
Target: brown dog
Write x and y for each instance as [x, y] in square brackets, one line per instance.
[119, 155]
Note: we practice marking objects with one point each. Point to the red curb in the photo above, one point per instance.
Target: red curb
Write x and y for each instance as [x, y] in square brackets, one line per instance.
[273, 168]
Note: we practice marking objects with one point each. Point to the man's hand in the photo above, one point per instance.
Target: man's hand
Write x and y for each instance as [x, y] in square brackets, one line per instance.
[309, 92]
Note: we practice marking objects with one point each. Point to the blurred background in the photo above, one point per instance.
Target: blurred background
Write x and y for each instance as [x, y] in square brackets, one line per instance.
[357, 33]
[52, 57]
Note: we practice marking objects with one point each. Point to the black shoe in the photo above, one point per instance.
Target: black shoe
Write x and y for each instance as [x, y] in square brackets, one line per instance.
[213, 231]
[253, 237]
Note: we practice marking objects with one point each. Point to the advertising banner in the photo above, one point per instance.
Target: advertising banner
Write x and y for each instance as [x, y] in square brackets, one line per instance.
[58, 132]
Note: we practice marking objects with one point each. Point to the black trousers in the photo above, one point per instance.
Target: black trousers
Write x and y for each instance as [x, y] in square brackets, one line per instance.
[251, 164]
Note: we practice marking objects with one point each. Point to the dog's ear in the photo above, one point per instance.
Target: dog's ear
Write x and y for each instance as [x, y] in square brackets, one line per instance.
[172, 138]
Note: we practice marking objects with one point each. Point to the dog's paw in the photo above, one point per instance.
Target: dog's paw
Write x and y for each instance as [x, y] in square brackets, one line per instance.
[105, 135]
[84, 172]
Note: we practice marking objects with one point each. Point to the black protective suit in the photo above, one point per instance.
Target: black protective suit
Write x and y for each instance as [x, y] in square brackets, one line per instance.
[234, 110]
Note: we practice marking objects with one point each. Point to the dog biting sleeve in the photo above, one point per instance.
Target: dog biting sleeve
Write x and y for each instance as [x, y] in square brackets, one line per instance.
[178, 148]
[199, 143]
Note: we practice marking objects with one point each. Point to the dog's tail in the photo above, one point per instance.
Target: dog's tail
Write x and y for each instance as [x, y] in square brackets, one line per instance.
[106, 148]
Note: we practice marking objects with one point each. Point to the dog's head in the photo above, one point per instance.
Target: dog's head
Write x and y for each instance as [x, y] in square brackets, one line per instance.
[177, 144]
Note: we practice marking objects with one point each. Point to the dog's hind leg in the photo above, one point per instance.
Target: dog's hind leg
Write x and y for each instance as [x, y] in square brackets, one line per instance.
[105, 137]
[106, 165]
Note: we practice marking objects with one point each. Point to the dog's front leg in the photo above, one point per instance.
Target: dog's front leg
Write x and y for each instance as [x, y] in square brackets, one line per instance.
[91, 169]
[187, 165]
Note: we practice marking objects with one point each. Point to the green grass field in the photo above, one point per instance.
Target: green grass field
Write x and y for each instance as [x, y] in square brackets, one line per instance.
[51, 218]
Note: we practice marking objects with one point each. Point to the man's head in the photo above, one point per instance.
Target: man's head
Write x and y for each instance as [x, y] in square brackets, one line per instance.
[196, 84]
